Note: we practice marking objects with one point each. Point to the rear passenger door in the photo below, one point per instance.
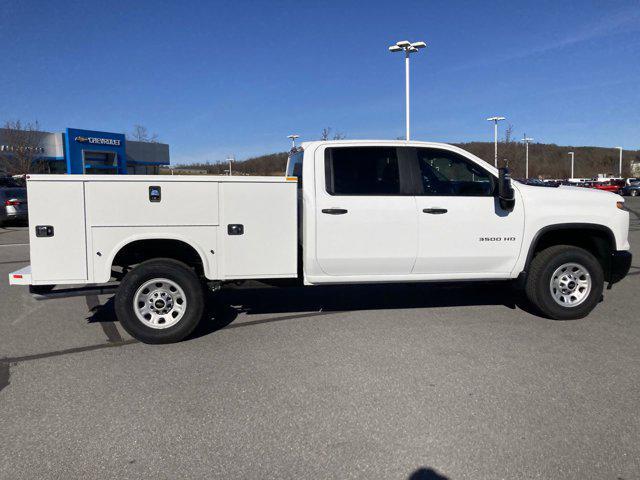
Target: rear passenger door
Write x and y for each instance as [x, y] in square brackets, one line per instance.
[365, 214]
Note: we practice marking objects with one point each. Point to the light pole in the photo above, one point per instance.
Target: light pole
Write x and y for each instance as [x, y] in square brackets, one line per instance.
[620, 169]
[230, 159]
[495, 121]
[572, 159]
[408, 48]
[526, 141]
[293, 137]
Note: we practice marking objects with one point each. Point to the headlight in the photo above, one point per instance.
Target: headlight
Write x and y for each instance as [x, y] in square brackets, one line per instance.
[620, 205]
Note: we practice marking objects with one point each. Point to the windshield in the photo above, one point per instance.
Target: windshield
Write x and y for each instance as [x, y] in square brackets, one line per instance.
[14, 192]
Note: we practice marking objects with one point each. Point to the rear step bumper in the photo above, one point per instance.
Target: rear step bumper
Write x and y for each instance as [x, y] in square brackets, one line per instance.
[21, 277]
[44, 292]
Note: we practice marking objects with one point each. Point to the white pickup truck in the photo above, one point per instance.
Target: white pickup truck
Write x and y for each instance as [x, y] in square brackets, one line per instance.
[346, 212]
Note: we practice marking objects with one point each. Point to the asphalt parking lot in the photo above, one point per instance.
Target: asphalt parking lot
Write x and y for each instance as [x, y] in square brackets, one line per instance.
[420, 382]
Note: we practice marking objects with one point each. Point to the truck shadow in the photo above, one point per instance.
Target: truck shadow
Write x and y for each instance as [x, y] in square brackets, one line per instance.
[297, 302]
[287, 304]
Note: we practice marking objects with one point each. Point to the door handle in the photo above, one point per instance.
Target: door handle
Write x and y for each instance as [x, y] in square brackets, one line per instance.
[334, 211]
[435, 211]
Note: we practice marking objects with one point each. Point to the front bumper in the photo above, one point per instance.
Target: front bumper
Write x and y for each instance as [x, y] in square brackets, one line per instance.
[620, 263]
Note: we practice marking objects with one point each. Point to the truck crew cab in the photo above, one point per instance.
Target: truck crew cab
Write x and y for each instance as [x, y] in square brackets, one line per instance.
[346, 212]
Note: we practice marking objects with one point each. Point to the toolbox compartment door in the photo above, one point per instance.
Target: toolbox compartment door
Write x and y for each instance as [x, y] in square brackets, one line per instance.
[62, 256]
[130, 203]
[259, 230]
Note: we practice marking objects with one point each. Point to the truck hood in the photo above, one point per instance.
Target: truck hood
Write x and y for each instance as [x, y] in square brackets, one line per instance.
[565, 193]
[589, 192]
[545, 206]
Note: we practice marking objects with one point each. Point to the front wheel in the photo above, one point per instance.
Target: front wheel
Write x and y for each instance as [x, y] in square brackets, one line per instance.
[565, 282]
[160, 301]
[633, 193]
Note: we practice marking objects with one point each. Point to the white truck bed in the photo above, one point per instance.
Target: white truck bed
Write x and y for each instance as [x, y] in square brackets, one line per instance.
[94, 216]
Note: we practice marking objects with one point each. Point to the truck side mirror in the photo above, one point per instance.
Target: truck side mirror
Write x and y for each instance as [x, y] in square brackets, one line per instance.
[506, 195]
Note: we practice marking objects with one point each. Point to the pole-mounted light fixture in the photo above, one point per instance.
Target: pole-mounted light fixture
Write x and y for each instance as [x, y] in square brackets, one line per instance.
[495, 121]
[408, 48]
[620, 167]
[526, 141]
[293, 137]
[572, 162]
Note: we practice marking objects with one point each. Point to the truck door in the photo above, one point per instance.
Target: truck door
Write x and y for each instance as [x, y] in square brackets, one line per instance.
[462, 229]
[366, 220]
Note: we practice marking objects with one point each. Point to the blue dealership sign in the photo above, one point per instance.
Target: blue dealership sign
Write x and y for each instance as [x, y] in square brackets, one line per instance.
[82, 147]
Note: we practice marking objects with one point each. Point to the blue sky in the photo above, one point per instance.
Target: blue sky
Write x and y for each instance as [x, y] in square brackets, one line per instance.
[220, 78]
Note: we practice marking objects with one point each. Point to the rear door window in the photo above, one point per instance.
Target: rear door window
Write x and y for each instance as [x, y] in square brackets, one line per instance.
[362, 171]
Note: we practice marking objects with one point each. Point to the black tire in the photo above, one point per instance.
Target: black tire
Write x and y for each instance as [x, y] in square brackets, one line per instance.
[160, 268]
[545, 263]
[633, 193]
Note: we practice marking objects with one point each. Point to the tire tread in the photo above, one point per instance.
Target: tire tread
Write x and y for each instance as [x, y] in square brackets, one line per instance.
[174, 270]
[537, 285]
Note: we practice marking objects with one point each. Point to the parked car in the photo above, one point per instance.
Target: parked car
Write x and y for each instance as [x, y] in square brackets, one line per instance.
[7, 181]
[13, 204]
[535, 182]
[632, 190]
[613, 186]
[552, 183]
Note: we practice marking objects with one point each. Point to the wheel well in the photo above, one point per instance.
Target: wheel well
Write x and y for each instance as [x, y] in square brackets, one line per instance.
[598, 241]
[141, 250]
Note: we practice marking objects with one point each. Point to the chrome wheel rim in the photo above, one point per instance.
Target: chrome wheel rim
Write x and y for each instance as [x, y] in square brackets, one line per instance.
[570, 284]
[159, 303]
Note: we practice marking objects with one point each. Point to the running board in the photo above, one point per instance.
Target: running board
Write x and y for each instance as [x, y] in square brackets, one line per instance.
[40, 293]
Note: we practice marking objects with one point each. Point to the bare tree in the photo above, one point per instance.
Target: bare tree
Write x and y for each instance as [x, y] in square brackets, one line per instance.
[141, 134]
[508, 134]
[325, 133]
[21, 148]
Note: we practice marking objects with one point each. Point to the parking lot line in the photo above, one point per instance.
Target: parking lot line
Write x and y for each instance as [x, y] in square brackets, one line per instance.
[57, 353]
[14, 261]
[14, 245]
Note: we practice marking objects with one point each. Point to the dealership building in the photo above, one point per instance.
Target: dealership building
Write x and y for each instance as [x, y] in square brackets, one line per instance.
[91, 152]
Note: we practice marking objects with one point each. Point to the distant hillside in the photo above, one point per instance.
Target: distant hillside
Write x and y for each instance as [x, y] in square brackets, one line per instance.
[547, 160]
[271, 164]
[553, 161]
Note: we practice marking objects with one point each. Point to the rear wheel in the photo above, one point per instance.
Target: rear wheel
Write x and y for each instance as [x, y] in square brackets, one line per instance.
[565, 282]
[633, 193]
[160, 301]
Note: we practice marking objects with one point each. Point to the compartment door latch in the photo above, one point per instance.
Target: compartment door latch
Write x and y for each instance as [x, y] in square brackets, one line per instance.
[235, 229]
[44, 231]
